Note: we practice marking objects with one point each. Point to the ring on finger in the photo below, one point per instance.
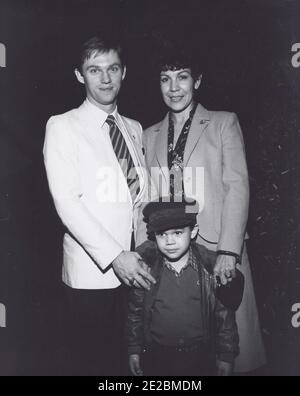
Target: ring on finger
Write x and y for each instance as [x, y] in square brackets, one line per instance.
[131, 281]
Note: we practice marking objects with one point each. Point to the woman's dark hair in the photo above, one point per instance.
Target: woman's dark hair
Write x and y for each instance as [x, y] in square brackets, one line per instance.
[175, 54]
[177, 58]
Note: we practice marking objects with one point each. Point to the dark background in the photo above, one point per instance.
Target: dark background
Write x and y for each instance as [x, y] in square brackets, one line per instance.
[246, 48]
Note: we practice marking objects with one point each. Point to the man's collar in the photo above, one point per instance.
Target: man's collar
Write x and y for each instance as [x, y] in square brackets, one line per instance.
[192, 261]
[100, 114]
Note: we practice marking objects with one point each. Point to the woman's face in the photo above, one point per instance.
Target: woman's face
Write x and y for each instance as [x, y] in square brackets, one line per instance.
[177, 88]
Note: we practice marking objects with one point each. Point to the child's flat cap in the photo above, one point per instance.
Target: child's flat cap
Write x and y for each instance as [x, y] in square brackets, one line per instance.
[163, 214]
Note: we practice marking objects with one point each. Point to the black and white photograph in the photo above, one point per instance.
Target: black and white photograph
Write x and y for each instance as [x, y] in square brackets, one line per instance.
[149, 188]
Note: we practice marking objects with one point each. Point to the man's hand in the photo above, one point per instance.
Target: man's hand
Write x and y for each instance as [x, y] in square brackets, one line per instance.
[225, 268]
[224, 369]
[132, 270]
[134, 364]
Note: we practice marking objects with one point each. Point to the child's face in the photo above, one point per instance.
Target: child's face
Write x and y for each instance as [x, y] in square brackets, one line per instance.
[175, 243]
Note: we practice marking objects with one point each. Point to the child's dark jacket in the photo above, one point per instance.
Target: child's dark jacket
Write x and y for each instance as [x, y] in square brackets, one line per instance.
[220, 326]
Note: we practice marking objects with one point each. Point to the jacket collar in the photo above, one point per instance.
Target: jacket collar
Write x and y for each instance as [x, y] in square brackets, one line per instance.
[200, 121]
[93, 118]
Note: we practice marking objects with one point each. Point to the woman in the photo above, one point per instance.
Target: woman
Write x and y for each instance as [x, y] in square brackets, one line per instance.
[201, 154]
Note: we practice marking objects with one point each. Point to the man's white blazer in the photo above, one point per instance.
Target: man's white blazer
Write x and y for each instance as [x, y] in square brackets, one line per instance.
[91, 194]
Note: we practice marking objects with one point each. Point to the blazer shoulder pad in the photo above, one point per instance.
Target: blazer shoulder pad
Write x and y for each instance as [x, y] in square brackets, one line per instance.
[63, 117]
[132, 122]
[222, 116]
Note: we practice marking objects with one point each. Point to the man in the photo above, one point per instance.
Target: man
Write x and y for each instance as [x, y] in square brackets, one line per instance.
[95, 169]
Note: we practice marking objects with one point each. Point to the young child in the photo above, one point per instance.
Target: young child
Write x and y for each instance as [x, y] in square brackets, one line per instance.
[179, 326]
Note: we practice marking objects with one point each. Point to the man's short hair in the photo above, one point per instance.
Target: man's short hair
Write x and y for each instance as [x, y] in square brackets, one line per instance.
[101, 43]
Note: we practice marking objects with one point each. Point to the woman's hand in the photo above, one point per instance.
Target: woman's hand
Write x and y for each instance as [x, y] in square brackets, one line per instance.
[134, 364]
[225, 268]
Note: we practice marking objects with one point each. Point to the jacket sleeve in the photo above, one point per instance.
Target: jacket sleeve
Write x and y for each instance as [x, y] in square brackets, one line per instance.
[227, 339]
[235, 187]
[224, 326]
[60, 157]
[134, 326]
[141, 227]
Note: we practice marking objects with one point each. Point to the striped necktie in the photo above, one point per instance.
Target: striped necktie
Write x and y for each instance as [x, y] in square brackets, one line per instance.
[124, 157]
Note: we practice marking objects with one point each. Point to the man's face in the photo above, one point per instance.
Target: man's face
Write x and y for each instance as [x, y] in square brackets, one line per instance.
[177, 88]
[102, 75]
[174, 243]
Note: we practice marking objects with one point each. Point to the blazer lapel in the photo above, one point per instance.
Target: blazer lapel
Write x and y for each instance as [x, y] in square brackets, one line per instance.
[131, 140]
[91, 128]
[200, 122]
[161, 148]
